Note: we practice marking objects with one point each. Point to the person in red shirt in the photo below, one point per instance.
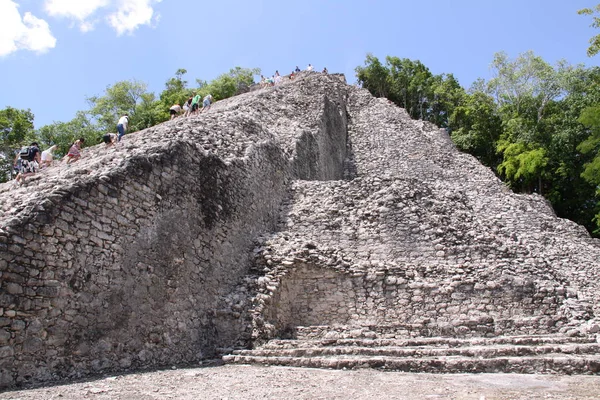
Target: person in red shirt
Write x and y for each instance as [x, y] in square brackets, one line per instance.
[74, 153]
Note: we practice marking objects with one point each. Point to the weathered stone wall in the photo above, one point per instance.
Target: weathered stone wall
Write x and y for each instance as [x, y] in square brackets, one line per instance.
[394, 300]
[320, 154]
[137, 256]
[127, 271]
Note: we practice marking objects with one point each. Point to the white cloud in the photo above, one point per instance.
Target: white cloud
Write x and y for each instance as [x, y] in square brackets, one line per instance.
[37, 35]
[28, 33]
[124, 16]
[131, 14]
[86, 26]
[78, 10]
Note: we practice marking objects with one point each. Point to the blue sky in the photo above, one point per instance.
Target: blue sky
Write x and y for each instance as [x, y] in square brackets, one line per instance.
[55, 53]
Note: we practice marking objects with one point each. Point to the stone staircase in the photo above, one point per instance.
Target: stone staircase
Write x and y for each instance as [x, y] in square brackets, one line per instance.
[553, 353]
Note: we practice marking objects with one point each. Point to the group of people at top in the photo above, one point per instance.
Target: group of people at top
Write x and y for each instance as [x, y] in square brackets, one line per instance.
[311, 68]
[30, 159]
[191, 106]
[276, 79]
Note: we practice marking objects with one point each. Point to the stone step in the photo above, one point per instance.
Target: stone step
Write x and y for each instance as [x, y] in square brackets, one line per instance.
[527, 340]
[481, 327]
[425, 351]
[548, 363]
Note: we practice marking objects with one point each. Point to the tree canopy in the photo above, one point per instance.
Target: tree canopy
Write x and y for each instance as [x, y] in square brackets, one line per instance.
[594, 47]
[412, 86]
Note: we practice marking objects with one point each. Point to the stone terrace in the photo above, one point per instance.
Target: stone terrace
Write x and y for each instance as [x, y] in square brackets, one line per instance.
[421, 240]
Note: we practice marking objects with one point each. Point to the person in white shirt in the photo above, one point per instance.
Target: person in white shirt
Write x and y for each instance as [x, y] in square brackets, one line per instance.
[175, 110]
[309, 68]
[122, 126]
[47, 157]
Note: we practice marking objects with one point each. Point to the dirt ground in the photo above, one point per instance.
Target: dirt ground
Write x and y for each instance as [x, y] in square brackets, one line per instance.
[231, 382]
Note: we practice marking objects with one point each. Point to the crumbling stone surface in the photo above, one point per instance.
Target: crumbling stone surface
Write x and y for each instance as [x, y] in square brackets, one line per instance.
[423, 240]
[309, 208]
[136, 256]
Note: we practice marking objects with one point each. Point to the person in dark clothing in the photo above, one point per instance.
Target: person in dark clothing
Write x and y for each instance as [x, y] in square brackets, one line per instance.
[30, 162]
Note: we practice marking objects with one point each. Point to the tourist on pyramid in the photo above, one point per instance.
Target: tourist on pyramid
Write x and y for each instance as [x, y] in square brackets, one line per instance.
[17, 162]
[47, 157]
[122, 126]
[309, 68]
[196, 103]
[74, 153]
[292, 75]
[188, 106]
[206, 102]
[175, 110]
[325, 70]
[297, 69]
[109, 139]
[30, 159]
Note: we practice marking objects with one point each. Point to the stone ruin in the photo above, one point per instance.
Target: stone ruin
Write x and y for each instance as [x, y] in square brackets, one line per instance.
[307, 224]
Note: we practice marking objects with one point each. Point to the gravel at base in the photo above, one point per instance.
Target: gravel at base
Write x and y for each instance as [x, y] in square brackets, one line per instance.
[254, 382]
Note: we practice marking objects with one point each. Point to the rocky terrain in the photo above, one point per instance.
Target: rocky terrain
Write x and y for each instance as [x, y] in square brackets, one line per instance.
[243, 382]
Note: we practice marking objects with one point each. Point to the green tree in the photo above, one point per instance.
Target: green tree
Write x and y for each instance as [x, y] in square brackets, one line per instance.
[412, 86]
[523, 164]
[63, 134]
[524, 89]
[590, 117]
[374, 76]
[149, 112]
[477, 126]
[176, 90]
[570, 194]
[121, 98]
[236, 81]
[526, 78]
[420, 91]
[243, 77]
[594, 47]
[448, 95]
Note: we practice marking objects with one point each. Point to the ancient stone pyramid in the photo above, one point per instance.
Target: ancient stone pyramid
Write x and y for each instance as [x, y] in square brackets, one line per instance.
[310, 223]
